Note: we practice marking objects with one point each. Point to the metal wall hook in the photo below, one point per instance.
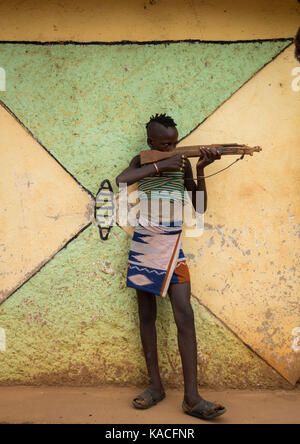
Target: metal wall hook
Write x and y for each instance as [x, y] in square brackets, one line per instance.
[105, 202]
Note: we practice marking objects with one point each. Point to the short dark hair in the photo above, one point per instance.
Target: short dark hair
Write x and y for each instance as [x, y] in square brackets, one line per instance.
[164, 120]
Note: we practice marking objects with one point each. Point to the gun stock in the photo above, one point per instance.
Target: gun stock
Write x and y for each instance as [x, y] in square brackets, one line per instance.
[150, 156]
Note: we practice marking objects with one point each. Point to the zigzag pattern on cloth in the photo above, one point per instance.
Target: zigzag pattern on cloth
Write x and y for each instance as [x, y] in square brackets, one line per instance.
[146, 269]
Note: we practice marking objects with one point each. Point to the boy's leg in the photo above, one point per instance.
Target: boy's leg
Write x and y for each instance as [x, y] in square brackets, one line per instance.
[147, 317]
[184, 317]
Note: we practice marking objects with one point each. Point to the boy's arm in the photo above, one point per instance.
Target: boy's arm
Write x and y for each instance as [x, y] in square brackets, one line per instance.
[208, 157]
[190, 185]
[135, 171]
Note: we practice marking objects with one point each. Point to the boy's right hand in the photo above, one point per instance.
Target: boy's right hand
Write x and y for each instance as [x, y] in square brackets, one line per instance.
[173, 163]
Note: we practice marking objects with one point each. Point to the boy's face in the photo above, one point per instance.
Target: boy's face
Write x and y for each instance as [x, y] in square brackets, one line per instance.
[162, 138]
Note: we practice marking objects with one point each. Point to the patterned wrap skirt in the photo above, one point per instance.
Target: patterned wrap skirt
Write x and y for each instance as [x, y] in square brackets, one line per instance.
[156, 258]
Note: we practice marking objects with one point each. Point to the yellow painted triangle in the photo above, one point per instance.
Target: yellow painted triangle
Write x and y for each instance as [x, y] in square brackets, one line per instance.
[42, 206]
[244, 267]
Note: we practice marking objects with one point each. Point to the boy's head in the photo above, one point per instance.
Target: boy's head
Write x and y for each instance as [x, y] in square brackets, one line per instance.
[162, 134]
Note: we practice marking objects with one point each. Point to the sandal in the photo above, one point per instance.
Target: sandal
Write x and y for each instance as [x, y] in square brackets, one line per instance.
[150, 397]
[204, 409]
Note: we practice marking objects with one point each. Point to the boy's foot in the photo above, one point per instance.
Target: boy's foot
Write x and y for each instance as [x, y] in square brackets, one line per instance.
[204, 409]
[148, 398]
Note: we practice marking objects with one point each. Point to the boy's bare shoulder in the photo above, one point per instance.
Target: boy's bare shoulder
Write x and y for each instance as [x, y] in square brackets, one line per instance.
[135, 162]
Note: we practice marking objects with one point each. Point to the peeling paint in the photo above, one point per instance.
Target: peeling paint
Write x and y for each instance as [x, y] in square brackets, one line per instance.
[210, 242]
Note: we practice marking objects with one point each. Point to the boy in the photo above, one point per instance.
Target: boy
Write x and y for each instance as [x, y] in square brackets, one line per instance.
[157, 264]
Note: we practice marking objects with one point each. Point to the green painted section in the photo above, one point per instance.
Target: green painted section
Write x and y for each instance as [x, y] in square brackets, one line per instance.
[88, 104]
[75, 322]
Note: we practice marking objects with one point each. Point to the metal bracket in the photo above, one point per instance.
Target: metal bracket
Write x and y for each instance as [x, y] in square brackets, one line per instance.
[105, 203]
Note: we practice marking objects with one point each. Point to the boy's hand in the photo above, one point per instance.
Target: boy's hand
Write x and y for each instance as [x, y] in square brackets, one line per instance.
[209, 156]
[173, 163]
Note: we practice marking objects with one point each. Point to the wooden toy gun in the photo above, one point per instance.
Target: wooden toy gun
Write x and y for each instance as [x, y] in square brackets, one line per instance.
[150, 156]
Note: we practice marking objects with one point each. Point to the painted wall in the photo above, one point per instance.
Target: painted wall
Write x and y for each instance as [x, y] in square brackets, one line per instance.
[72, 115]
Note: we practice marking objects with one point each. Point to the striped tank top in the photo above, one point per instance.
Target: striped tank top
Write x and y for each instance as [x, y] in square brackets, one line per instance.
[167, 185]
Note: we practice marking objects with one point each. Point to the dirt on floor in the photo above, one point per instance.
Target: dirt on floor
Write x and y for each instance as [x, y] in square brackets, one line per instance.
[112, 405]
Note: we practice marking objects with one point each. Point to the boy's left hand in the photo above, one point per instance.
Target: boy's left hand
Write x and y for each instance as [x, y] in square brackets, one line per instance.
[209, 156]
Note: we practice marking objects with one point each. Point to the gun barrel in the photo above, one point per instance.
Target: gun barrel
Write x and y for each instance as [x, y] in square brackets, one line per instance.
[150, 156]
